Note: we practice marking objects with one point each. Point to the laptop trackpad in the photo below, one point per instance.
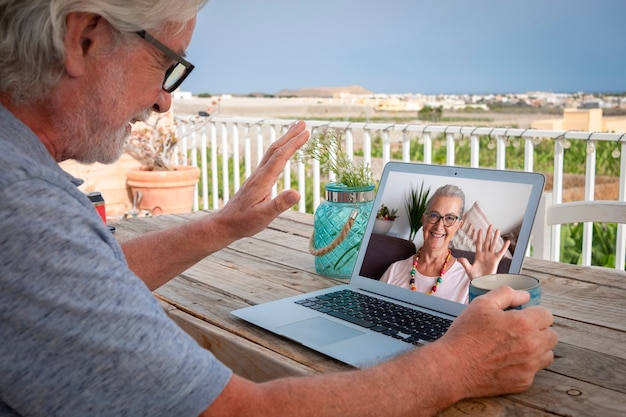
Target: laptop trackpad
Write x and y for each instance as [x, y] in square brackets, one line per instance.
[317, 331]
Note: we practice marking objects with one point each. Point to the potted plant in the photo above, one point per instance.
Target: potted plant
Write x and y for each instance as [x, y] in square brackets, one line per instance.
[384, 219]
[164, 183]
[326, 147]
[415, 207]
[339, 222]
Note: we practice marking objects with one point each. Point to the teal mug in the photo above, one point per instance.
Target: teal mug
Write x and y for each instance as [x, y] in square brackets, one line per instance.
[482, 285]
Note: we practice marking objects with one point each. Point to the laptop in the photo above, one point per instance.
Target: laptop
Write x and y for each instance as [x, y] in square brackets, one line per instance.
[326, 320]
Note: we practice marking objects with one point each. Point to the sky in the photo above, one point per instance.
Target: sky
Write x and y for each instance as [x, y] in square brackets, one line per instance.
[410, 46]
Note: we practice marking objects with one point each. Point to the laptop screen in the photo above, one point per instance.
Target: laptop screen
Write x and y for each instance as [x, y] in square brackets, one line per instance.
[508, 200]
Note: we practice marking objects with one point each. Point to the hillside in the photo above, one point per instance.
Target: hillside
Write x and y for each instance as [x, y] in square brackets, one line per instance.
[323, 92]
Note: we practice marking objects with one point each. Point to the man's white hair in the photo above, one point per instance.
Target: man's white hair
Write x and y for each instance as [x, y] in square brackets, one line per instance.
[32, 52]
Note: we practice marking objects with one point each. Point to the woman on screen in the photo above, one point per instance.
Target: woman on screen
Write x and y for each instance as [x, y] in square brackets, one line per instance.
[433, 270]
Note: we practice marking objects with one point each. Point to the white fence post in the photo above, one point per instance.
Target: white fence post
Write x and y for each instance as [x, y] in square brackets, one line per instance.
[541, 237]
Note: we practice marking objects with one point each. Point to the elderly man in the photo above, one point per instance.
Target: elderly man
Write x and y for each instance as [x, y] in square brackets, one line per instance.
[81, 333]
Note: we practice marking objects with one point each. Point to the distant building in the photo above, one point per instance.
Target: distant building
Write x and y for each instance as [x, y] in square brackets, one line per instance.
[586, 120]
[181, 95]
[595, 104]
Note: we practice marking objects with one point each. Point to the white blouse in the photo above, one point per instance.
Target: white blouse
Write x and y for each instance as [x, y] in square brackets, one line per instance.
[454, 285]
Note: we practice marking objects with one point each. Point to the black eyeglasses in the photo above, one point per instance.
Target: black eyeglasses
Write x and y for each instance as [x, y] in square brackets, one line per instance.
[175, 74]
[448, 219]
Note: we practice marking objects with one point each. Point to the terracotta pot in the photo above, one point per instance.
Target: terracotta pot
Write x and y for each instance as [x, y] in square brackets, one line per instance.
[165, 191]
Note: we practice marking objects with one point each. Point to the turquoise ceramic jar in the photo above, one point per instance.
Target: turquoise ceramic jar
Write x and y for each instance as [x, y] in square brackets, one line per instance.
[331, 217]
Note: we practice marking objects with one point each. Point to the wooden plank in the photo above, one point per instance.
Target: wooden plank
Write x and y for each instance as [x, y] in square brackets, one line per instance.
[294, 223]
[491, 407]
[196, 299]
[245, 358]
[167, 307]
[214, 300]
[278, 250]
[603, 339]
[608, 277]
[589, 366]
[296, 216]
[584, 294]
[132, 227]
[563, 396]
[240, 270]
[280, 239]
[218, 311]
[596, 338]
[260, 360]
[587, 303]
[259, 363]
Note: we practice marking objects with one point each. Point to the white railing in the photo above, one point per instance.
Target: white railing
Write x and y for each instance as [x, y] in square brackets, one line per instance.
[233, 141]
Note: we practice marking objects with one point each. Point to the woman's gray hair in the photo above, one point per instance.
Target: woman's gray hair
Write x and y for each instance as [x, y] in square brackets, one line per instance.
[32, 52]
[448, 190]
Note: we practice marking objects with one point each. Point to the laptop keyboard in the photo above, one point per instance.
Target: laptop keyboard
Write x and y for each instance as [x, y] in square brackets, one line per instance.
[394, 320]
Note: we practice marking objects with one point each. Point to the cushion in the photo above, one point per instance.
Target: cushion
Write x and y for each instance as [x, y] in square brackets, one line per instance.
[512, 236]
[503, 267]
[474, 220]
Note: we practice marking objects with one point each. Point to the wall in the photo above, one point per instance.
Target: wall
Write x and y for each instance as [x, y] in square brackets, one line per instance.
[110, 180]
[587, 120]
[614, 124]
[549, 124]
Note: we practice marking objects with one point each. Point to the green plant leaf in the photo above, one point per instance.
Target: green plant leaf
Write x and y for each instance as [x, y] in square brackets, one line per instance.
[326, 148]
[349, 253]
[416, 206]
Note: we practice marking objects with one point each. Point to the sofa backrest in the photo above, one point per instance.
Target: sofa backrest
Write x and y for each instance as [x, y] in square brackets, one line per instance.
[383, 250]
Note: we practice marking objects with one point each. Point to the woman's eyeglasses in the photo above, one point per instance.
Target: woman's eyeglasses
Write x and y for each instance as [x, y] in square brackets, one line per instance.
[448, 219]
[175, 74]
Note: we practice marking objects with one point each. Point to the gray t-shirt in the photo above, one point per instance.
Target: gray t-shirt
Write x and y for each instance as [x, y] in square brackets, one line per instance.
[80, 334]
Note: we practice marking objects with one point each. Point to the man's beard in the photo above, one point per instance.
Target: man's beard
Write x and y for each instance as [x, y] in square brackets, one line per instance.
[102, 146]
[90, 130]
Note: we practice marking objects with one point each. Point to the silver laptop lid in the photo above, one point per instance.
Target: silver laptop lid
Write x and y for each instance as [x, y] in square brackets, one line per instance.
[506, 199]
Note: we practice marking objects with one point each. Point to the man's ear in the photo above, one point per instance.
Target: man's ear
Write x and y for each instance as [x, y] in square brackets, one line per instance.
[84, 34]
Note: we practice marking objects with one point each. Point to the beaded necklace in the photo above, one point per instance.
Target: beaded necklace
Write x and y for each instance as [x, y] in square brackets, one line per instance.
[439, 278]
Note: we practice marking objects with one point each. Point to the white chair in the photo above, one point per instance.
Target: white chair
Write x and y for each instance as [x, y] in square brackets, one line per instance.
[545, 233]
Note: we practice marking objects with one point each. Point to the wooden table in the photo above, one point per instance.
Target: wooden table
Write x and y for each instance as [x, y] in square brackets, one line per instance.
[587, 378]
